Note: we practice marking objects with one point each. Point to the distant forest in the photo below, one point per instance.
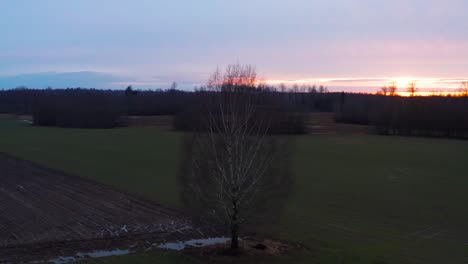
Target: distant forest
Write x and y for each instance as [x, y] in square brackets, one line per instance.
[434, 116]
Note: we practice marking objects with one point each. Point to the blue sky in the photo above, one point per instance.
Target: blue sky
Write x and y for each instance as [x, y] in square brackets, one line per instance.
[150, 43]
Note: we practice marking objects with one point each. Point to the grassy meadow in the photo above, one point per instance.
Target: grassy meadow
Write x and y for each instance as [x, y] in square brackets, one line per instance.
[358, 198]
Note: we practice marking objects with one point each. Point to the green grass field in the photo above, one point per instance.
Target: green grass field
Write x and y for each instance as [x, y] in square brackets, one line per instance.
[358, 199]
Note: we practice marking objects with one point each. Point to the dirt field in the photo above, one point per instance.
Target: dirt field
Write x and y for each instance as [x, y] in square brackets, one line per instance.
[317, 124]
[324, 124]
[148, 121]
[44, 213]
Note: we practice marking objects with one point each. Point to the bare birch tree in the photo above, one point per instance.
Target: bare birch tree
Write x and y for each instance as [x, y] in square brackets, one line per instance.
[235, 173]
[412, 88]
[384, 90]
[392, 89]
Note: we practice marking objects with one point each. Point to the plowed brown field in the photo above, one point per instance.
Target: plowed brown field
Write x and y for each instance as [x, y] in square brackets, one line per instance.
[44, 212]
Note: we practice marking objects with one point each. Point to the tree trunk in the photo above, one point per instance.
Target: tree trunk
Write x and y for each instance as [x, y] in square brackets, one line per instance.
[235, 237]
[234, 227]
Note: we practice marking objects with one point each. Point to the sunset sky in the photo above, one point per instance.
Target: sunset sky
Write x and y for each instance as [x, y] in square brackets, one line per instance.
[350, 45]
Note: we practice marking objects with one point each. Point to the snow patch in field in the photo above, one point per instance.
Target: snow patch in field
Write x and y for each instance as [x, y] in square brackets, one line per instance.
[27, 122]
[194, 243]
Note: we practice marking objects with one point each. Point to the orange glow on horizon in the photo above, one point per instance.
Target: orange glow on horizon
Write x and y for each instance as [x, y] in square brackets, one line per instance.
[425, 86]
[426, 94]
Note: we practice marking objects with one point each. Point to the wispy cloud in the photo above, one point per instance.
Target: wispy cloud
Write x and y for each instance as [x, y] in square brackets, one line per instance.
[60, 80]
[88, 79]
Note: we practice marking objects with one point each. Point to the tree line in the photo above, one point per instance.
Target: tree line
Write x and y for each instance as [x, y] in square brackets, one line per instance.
[390, 115]
[93, 108]
[414, 116]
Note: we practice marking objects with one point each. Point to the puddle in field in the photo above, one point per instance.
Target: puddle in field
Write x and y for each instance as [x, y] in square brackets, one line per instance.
[100, 254]
[177, 246]
[194, 243]
[93, 254]
[62, 260]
